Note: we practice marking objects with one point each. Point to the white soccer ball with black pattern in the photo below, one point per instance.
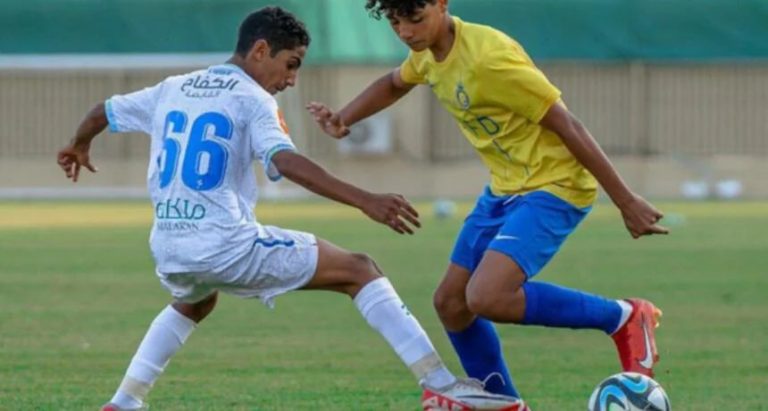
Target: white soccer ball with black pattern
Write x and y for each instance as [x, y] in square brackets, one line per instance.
[629, 391]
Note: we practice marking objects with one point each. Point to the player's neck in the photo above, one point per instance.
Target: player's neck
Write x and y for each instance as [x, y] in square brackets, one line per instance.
[442, 47]
[238, 61]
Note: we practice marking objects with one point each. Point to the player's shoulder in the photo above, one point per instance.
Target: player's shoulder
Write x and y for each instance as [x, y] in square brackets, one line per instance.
[253, 95]
[486, 39]
[243, 89]
[246, 88]
[469, 28]
[254, 104]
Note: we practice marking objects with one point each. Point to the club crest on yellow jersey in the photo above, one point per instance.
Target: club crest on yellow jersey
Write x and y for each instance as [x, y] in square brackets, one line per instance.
[462, 97]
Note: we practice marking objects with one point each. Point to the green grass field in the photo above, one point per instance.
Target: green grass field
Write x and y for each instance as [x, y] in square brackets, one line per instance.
[77, 292]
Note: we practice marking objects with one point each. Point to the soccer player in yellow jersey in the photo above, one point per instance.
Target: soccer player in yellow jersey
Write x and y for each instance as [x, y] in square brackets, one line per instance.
[544, 168]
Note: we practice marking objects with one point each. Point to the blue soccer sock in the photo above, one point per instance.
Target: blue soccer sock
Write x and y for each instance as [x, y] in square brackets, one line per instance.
[479, 350]
[554, 306]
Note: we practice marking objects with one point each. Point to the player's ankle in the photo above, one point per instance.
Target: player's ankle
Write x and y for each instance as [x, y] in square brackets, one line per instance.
[439, 379]
[126, 401]
[626, 312]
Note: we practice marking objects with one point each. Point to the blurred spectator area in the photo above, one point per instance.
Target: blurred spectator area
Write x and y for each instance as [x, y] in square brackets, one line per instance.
[674, 91]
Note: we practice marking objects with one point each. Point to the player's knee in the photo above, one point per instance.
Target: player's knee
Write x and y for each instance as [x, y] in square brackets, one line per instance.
[199, 310]
[448, 305]
[206, 306]
[364, 264]
[362, 269]
[479, 303]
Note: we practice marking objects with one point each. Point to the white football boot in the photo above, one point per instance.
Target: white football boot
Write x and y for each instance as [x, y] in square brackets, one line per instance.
[468, 395]
[113, 407]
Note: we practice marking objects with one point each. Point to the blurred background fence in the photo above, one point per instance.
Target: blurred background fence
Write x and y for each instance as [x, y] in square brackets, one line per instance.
[675, 91]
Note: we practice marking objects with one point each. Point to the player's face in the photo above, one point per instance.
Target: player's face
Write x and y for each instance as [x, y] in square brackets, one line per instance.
[421, 29]
[277, 73]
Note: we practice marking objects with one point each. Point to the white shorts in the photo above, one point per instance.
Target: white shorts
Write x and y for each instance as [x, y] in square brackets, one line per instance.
[279, 261]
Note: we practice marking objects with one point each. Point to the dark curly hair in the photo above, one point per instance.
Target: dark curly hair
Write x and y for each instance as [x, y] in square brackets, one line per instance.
[279, 28]
[397, 7]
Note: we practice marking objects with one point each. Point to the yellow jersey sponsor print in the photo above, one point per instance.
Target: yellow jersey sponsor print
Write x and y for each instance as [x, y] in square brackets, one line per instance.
[498, 97]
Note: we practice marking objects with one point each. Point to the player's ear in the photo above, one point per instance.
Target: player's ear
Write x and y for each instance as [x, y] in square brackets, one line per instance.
[443, 5]
[259, 51]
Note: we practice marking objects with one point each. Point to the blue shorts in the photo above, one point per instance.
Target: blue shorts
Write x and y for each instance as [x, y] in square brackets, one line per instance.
[528, 228]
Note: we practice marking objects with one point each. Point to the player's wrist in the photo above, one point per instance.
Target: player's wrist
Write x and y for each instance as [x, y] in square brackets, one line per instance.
[362, 200]
[80, 143]
[624, 200]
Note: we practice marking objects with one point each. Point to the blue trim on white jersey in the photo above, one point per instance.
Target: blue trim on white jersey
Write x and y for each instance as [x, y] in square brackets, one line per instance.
[110, 116]
[274, 243]
[221, 69]
[272, 173]
[233, 69]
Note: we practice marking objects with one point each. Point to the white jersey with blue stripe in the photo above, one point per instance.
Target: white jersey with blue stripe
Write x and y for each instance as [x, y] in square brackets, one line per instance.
[206, 129]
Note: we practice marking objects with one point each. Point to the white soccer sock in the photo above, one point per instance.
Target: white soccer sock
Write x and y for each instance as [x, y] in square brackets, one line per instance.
[626, 311]
[386, 313]
[165, 336]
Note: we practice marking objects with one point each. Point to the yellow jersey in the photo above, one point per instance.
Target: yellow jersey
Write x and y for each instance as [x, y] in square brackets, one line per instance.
[498, 97]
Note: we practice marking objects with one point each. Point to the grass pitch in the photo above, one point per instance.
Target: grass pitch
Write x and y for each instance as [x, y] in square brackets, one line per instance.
[77, 292]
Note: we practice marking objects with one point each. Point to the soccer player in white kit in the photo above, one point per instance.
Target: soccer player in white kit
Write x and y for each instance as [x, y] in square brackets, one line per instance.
[206, 128]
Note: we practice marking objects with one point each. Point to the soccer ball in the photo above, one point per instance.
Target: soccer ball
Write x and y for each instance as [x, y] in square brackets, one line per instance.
[629, 391]
[443, 208]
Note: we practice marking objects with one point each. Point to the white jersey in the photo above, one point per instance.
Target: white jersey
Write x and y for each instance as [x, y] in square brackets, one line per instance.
[206, 128]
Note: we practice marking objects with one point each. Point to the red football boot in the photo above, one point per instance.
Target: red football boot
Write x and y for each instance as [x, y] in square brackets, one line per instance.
[635, 340]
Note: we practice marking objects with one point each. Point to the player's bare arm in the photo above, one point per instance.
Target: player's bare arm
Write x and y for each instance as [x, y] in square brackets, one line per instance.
[381, 94]
[76, 155]
[392, 210]
[640, 217]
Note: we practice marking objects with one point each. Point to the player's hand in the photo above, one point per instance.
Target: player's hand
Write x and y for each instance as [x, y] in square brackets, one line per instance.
[329, 121]
[72, 158]
[392, 210]
[641, 218]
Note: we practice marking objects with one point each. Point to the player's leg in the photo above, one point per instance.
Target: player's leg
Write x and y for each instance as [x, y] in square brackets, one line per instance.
[631, 323]
[532, 233]
[534, 228]
[283, 260]
[358, 276]
[166, 335]
[499, 291]
[473, 338]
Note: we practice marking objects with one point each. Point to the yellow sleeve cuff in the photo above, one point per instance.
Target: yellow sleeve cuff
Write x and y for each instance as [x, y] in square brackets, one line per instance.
[550, 100]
